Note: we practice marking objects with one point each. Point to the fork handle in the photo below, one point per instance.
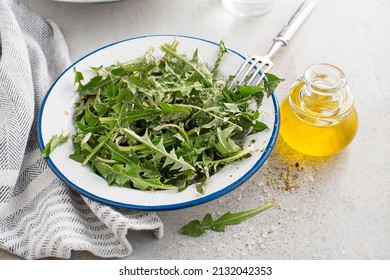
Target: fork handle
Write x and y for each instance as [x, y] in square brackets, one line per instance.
[288, 31]
[297, 19]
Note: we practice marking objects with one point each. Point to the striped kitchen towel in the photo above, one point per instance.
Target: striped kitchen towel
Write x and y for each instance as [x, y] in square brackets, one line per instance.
[39, 216]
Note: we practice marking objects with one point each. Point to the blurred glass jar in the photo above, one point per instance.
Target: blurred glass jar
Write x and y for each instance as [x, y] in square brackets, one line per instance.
[248, 7]
[318, 117]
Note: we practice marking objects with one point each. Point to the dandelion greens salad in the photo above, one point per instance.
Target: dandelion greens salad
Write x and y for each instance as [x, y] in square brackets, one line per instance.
[164, 123]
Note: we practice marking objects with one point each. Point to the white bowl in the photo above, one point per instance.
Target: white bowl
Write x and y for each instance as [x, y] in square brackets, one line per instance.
[56, 112]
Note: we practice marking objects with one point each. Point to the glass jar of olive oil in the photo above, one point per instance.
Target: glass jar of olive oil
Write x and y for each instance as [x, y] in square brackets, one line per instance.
[318, 117]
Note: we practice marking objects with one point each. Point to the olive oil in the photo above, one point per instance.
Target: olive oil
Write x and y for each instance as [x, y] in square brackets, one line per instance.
[318, 117]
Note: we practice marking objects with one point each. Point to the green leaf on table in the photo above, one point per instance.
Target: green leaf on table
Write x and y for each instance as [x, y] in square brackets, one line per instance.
[197, 228]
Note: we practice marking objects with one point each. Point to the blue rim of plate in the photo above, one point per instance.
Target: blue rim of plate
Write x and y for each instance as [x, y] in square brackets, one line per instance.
[177, 206]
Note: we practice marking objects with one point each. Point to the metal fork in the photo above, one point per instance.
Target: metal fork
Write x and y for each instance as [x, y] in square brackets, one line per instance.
[253, 70]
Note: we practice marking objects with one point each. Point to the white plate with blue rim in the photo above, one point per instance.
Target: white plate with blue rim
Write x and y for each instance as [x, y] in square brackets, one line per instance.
[56, 117]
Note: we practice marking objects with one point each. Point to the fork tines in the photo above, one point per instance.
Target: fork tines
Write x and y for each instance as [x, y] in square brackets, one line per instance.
[252, 71]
